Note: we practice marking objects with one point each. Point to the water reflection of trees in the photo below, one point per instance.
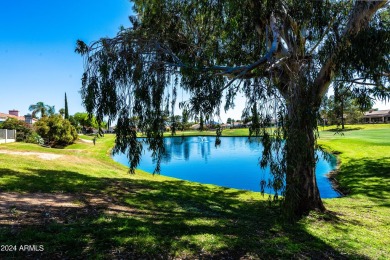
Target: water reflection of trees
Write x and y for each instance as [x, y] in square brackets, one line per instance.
[182, 148]
[205, 150]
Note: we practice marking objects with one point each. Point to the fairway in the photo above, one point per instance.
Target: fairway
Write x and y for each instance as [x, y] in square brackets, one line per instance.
[82, 204]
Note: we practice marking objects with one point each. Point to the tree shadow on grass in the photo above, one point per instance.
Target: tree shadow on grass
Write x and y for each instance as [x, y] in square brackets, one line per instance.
[344, 130]
[367, 177]
[162, 220]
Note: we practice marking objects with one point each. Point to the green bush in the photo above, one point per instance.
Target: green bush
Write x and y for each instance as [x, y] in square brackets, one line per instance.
[23, 130]
[56, 131]
[34, 138]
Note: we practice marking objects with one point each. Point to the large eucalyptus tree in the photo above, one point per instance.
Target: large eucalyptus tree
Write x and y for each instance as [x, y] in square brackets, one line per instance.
[283, 55]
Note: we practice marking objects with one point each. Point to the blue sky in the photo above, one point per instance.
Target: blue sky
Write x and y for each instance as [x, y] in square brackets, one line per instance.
[37, 41]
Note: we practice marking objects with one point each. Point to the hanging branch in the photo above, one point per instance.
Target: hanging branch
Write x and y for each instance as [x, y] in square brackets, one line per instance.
[358, 19]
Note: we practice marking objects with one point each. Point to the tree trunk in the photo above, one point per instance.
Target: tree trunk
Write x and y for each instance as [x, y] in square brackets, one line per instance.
[302, 194]
[342, 112]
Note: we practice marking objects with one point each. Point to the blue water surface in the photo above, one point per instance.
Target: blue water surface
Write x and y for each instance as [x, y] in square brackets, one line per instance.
[233, 164]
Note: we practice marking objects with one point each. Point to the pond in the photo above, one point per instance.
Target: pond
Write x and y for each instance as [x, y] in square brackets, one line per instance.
[233, 164]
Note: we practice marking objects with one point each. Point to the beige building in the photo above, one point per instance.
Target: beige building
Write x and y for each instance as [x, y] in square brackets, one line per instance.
[377, 116]
[15, 114]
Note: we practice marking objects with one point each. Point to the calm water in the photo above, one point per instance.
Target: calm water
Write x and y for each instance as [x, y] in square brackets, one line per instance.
[233, 164]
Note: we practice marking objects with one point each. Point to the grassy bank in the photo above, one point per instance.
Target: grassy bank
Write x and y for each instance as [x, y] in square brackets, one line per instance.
[112, 214]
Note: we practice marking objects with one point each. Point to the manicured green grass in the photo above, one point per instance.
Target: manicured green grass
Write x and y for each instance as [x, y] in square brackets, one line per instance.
[363, 217]
[161, 217]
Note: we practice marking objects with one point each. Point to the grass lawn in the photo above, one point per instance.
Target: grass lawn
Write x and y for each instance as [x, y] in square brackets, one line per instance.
[108, 214]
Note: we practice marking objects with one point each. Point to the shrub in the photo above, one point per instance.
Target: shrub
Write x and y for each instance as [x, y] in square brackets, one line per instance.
[75, 123]
[56, 131]
[23, 130]
[34, 138]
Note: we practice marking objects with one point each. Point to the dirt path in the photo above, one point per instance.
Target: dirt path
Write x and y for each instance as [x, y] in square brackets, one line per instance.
[85, 141]
[45, 156]
[34, 208]
[17, 209]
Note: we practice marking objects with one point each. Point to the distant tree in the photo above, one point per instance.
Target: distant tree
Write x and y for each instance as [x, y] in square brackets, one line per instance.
[324, 110]
[81, 118]
[87, 121]
[229, 121]
[75, 123]
[185, 117]
[340, 96]
[56, 131]
[201, 122]
[254, 128]
[246, 119]
[348, 104]
[84, 120]
[66, 108]
[177, 121]
[345, 106]
[62, 112]
[196, 119]
[51, 110]
[345, 111]
[42, 109]
[354, 113]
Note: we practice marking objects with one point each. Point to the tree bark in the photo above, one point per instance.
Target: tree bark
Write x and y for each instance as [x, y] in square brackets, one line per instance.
[342, 112]
[302, 194]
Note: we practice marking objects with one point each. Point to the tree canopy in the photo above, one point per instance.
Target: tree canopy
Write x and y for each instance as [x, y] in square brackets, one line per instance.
[343, 106]
[61, 111]
[83, 119]
[42, 109]
[282, 55]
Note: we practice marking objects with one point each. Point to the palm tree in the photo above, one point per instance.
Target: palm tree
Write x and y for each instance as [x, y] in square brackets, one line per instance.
[41, 108]
[51, 110]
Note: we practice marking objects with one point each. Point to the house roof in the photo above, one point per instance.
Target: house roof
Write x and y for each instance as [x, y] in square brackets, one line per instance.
[377, 113]
[5, 116]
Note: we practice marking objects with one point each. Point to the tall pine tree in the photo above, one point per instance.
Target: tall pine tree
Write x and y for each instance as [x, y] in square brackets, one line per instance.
[66, 108]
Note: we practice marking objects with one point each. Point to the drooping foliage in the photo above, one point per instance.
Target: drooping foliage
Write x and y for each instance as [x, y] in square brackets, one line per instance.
[282, 55]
